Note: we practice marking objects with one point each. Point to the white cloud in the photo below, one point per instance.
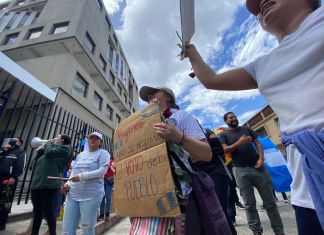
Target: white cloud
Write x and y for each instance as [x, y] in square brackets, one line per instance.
[112, 6]
[149, 41]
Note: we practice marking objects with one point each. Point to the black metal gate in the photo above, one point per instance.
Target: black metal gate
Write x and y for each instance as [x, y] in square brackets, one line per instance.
[26, 114]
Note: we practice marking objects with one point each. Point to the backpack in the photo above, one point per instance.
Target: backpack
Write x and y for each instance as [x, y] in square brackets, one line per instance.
[211, 215]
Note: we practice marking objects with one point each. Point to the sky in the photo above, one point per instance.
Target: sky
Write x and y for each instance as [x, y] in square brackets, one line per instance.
[226, 36]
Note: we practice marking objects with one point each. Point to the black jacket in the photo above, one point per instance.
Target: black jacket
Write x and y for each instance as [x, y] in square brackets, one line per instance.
[12, 163]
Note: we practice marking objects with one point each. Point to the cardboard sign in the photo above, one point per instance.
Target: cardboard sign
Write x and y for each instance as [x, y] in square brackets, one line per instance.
[135, 134]
[144, 186]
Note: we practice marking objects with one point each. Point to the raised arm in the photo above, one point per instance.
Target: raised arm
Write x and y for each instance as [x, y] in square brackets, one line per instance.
[235, 79]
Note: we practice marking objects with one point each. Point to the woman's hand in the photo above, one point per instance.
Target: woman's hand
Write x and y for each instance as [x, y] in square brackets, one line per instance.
[190, 51]
[75, 179]
[168, 131]
[65, 189]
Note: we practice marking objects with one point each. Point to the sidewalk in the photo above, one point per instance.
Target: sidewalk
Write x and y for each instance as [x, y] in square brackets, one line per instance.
[285, 209]
[21, 225]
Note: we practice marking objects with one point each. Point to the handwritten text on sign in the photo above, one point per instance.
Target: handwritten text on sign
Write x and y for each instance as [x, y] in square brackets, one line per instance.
[144, 184]
[136, 134]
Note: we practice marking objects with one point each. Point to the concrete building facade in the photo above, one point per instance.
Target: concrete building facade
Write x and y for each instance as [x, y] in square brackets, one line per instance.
[71, 46]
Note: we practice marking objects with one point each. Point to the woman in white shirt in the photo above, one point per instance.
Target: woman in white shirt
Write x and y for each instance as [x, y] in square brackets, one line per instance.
[85, 187]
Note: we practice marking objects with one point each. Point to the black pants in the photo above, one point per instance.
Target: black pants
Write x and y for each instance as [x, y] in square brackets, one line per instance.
[44, 203]
[307, 221]
[6, 197]
[221, 188]
[232, 199]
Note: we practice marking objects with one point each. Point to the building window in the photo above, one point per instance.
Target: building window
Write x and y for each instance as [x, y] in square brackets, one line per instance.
[112, 78]
[118, 118]
[109, 112]
[262, 132]
[102, 63]
[129, 104]
[100, 5]
[13, 19]
[89, 43]
[108, 22]
[117, 63]
[97, 101]
[34, 33]
[121, 68]
[125, 98]
[10, 39]
[80, 85]
[20, 2]
[134, 110]
[60, 28]
[119, 90]
[111, 55]
[24, 19]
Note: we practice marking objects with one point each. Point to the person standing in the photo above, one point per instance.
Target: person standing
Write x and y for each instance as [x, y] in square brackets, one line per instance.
[50, 160]
[12, 164]
[109, 185]
[249, 172]
[290, 77]
[85, 187]
[183, 130]
[216, 170]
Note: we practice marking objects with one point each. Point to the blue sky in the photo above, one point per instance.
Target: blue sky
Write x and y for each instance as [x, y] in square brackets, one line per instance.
[226, 35]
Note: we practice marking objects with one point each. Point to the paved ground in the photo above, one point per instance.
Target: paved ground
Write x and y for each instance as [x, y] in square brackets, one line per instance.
[123, 227]
[285, 209]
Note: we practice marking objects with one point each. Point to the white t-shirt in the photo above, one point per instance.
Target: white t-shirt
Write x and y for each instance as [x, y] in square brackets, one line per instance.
[190, 127]
[291, 78]
[86, 162]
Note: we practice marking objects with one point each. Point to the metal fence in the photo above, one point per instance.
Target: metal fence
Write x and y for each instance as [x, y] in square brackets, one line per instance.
[26, 114]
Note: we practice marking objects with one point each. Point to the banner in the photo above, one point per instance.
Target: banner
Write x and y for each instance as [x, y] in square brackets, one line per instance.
[276, 165]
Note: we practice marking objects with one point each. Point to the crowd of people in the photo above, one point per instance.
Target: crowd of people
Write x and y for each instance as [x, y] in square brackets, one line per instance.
[296, 63]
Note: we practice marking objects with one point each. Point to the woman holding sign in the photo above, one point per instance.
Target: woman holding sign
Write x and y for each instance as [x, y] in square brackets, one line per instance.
[85, 187]
[183, 130]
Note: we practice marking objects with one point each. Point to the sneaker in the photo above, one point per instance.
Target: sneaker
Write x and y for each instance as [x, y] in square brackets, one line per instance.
[286, 201]
[240, 206]
[100, 217]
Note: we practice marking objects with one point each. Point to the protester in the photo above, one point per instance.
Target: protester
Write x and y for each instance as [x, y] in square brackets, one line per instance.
[291, 79]
[85, 187]
[183, 130]
[108, 185]
[12, 163]
[216, 170]
[249, 172]
[50, 160]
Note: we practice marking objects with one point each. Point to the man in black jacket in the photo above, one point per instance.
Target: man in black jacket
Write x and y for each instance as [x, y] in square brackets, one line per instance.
[12, 163]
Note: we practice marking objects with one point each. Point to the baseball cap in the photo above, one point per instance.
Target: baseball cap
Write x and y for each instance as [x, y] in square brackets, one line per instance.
[253, 6]
[99, 135]
[147, 90]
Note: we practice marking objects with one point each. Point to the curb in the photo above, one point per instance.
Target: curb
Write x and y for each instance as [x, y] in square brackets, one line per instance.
[105, 225]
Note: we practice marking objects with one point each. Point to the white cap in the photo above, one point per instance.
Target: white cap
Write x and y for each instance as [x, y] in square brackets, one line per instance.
[99, 135]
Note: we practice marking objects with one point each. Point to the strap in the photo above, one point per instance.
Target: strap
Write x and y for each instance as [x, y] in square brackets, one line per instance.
[178, 160]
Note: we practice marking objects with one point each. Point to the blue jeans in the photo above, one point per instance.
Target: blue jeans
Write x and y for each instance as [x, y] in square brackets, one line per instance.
[84, 212]
[107, 198]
